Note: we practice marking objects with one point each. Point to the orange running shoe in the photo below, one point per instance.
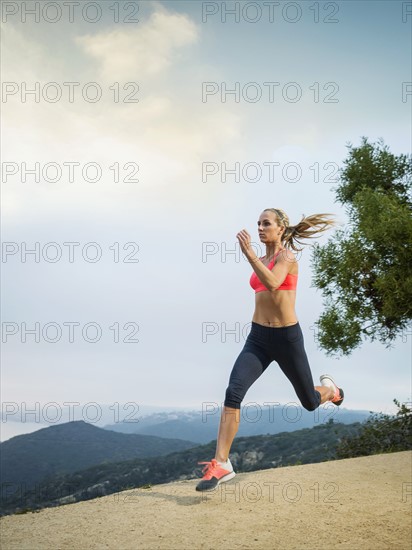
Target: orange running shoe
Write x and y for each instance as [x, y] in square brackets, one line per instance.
[214, 474]
[327, 380]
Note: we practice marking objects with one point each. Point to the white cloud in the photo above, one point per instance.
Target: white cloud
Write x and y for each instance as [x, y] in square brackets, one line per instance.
[146, 50]
[20, 56]
[168, 133]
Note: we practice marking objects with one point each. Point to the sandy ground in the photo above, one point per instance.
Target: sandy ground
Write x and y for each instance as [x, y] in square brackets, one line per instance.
[356, 504]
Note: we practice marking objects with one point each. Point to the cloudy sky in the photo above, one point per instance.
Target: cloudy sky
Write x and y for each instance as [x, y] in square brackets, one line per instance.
[138, 139]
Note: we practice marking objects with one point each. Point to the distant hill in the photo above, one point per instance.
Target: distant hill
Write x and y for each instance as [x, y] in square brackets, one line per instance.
[247, 454]
[65, 448]
[202, 428]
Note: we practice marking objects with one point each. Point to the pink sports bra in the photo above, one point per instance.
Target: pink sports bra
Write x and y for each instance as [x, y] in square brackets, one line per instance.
[289, 283]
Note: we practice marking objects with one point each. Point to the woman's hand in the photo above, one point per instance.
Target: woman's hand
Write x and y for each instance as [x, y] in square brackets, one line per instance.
[244, 241]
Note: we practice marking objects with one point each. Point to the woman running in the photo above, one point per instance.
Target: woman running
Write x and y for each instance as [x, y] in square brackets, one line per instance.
[275, 333]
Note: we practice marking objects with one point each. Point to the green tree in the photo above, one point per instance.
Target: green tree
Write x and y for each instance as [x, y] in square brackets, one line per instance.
[364, 271]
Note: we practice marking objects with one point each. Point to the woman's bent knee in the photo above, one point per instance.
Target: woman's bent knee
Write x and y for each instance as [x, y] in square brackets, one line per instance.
[232, 398]
[311, 404]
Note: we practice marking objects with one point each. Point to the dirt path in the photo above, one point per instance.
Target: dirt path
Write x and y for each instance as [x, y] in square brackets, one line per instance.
[357, 504]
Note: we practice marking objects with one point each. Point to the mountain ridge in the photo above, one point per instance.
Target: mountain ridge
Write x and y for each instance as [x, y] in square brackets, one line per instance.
[202, 427]
[72, 446]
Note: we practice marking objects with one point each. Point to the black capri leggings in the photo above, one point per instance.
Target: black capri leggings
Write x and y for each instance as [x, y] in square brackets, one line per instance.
[285, 345]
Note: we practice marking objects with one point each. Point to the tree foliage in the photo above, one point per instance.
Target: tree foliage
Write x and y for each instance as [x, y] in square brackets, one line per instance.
[364, 270]
[381, 433]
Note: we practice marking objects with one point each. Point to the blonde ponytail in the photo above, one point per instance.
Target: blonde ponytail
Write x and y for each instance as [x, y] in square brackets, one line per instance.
[307, 228]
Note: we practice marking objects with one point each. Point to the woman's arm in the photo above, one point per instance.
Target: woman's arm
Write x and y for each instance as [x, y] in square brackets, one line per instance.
[272, 279]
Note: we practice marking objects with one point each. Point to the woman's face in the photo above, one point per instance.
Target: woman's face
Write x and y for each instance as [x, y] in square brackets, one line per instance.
[268, 229]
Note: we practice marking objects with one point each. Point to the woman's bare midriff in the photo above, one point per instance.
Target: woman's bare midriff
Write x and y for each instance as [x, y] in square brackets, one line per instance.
[275, 309]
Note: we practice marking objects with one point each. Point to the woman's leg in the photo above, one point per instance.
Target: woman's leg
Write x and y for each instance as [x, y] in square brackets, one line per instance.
[250, 364]
[293, 361]
[252, 361]
[228, 427]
